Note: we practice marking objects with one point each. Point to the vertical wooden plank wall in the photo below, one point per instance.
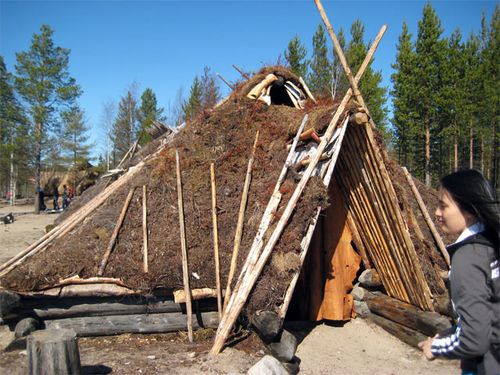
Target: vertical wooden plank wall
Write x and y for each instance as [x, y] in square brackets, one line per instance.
[372, 202]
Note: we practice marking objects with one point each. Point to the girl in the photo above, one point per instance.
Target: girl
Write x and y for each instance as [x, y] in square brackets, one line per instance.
[468, 208]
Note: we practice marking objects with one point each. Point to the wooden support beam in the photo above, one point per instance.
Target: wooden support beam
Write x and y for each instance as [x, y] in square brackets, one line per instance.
[245, 75]
[136, 323]
[185, 269]
[428, 323]
[216, 240]
[226, 82]
[144, 230]
[272, 206]
[405, 334]
[114, 236]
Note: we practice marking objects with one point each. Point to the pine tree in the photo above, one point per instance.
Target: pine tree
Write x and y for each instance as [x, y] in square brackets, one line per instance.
[295, 56]
[210, 89]
[193, 105]
[125, 127]
[320, 75]
[403, 97]
[14, 135]
[373, 94]
[44, 83]
[147, 114]
[429, 57]
[490, 105]
[75, 140]
[451, 102]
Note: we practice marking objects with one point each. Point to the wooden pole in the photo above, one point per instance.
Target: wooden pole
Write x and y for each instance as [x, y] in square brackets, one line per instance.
[340, 55]
[226, 82]
[231, 315]
[144, 229]
[118, 225]
[428, 220]
[185, 270]
[306, 89]
[239, 226]
[216, 240]
[245, 75]
[272, 206]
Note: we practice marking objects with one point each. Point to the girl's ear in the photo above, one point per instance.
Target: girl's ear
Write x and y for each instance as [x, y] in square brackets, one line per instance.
[469, 218]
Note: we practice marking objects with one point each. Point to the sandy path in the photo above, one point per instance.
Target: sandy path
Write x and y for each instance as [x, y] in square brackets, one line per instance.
[362, 348]
[26, 229]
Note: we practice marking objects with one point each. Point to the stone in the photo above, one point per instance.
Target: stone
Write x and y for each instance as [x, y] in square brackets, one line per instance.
[359, 293]
[25, 326]
[293, 366]
[8, 302]
[370, 279]
[361, 308]
[285, 349]
[268, 365]
[267, 324]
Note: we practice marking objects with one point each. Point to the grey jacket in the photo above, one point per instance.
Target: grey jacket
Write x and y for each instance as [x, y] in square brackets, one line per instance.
[475, 295]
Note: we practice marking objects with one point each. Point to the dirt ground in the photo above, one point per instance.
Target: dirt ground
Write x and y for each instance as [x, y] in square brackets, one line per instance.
[358, 347]
[26, 229]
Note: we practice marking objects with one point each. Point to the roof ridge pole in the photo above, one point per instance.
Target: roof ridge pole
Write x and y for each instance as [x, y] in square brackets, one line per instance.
[238, 300]
[340, 54]
[354, 86]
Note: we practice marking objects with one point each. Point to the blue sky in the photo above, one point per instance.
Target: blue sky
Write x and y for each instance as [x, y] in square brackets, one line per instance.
[164, 44]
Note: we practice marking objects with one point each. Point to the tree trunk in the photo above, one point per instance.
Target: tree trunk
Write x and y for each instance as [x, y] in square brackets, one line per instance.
[455, 153]
[38, 165]
[494, 158]
[13, 181]
[471, 148]
[482, 153]
[428, 180]
[53, 352]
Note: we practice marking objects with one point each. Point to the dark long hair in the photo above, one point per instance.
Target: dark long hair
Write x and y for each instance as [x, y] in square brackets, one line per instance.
[474, 194]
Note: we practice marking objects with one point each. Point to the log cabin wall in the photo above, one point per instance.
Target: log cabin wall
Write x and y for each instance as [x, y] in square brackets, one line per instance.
[372, 202]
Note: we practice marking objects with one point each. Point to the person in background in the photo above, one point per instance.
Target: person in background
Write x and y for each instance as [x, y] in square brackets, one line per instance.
[41, 198]
[65, 197]
[468, 208]
[56, 198]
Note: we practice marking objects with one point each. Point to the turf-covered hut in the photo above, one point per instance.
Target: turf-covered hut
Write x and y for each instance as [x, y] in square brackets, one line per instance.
[356, 211]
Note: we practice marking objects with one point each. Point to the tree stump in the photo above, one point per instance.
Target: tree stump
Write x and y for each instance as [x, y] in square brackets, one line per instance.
[52, 352]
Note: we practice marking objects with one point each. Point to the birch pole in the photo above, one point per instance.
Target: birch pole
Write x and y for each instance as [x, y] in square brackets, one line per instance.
[216, 240]
[185, 269]
[144, 230]
[239, 226]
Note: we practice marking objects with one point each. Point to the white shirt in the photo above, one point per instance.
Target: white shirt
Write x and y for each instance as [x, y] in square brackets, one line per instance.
[470, 231]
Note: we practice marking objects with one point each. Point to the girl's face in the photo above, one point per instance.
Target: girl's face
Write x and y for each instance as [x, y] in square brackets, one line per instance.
[449, 215]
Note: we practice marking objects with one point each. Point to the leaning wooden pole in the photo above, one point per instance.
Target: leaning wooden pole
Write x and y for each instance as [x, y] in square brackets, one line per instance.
[118, 225]
[185, 269]
[272, 206]
[237, 301]
[216, 240]
[144, 230]
[239, 226]
[428, 220]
